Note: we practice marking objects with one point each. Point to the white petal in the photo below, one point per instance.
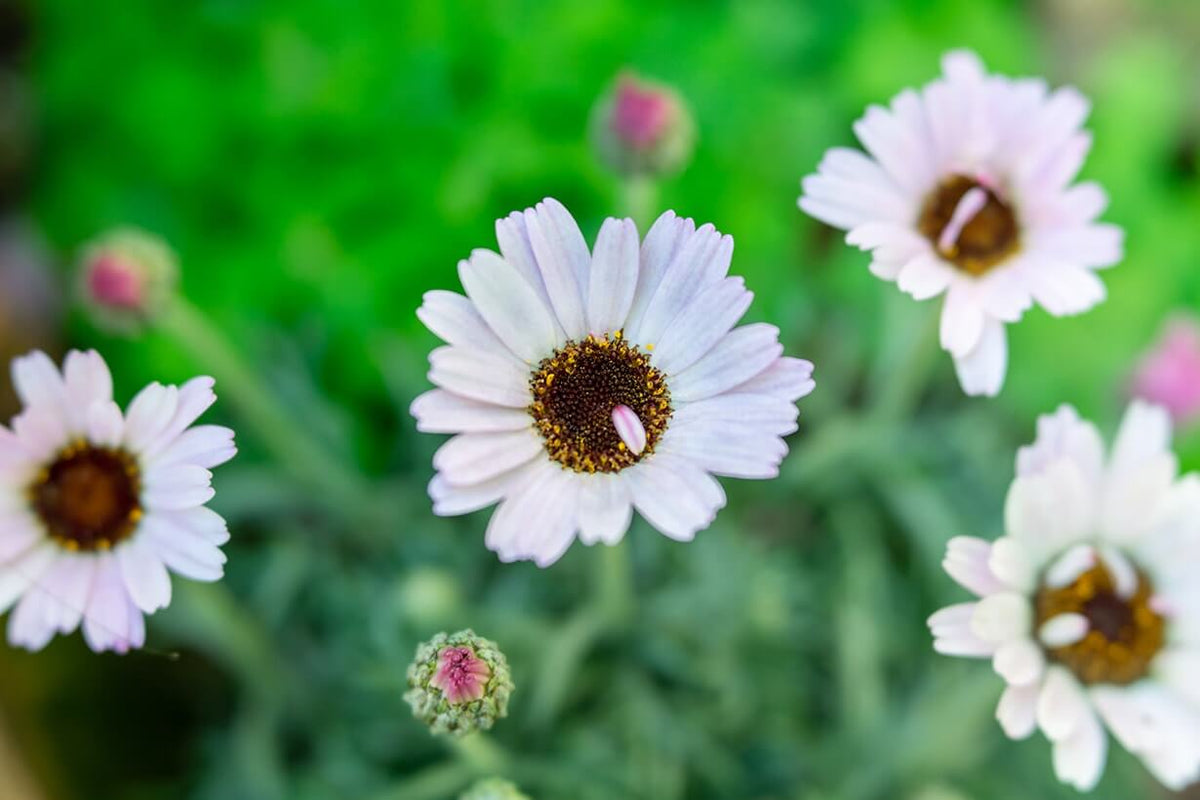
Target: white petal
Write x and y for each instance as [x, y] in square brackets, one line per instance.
[663, 242]
[1144, 436]
[702, 260]
[1050, 511]
[195, 397]
[509, 305]
[1062, 706]
[788, 378]
[1064, 435]
[17, 576]
[480, 376]
[439, 411]
[108, 623]
[450, 500]
[1067, 568]
[1079, 758]
[712, 314]
[149, 415]
[476, 457]
[181, 549]
[1009, 561]
[1002, 617]
[925, 276]
[629, 428]
[38, 383]
[963, 321]
[1017, 711]
[614, 276]
[455, 320]
[105, 424]
[1063, 630]
[966, 562]
[144, 574]
[982, 371]
[742, 354]
[673, 495]
[1152, 723]
[605, 510]
[538, 521]
[563, 260]
[736, 450]
[19, 531]
[204, 446]
[86, 380]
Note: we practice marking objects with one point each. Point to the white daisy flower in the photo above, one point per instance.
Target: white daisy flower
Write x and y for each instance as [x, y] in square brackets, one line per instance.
[1089, 607]
[96, 505]
[965, 193]
[583, 385]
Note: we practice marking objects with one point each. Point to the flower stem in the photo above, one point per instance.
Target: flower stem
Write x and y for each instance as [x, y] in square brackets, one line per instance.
[288, 440]
[639, 200]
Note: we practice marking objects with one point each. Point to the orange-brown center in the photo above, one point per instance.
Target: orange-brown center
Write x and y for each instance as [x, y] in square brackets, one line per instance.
[88, 498]
[987, 237]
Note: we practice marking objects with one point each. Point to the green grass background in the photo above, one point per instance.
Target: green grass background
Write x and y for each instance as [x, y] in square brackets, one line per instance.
[319, 164]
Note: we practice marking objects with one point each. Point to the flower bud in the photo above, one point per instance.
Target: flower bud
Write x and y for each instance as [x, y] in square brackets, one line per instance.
[643, 128]
[128, 277]
[493, 789]
[459, 683]
[1169, 375]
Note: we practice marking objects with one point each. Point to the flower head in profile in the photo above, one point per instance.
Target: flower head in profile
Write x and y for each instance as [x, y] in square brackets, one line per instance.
[965, 191]
[583, 384]
[98, 506]
[1169, 375]
[643, 128]
[1088, 607]
[459, 683]
[127, 278]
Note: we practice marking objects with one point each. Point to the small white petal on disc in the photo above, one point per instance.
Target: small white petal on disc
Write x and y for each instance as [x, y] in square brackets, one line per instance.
[969, 205]
[1125, 577]
[629, 428]
[1063, 630]
[1070, 565]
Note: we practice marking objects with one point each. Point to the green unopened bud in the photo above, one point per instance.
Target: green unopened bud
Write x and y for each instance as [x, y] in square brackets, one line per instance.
[127, 279]
[459, 683]
[493, 789]
[643, 128]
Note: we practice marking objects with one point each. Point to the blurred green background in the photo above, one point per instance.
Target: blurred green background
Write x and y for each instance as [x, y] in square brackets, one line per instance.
[319, 164]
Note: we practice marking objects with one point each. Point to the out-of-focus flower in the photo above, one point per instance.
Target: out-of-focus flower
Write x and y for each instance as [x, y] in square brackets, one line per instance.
[643, 128]
[493, 789]
[97, 505]
[582, 385]
[459, 683]
[966, 193]
[128, 277]
[1169, 374]
[1088, 606]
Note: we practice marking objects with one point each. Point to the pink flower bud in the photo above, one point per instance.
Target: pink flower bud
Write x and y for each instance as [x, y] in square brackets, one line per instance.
[643, 128]
[1169, 374]
[127, 279]
[461, 675]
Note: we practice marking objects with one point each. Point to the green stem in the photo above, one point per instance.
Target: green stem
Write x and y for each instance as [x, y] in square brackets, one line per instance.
[639, 200]
[906, 363]
[288, 440]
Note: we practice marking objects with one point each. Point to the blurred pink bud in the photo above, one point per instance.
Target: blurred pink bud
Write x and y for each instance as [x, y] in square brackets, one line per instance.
[642, 127]
[128, 278]
[1169, 374]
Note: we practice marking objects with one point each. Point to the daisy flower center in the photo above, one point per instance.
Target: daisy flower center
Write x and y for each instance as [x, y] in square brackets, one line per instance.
[1102, 627]
[88, 498]
[599, 404]
[969, 224]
